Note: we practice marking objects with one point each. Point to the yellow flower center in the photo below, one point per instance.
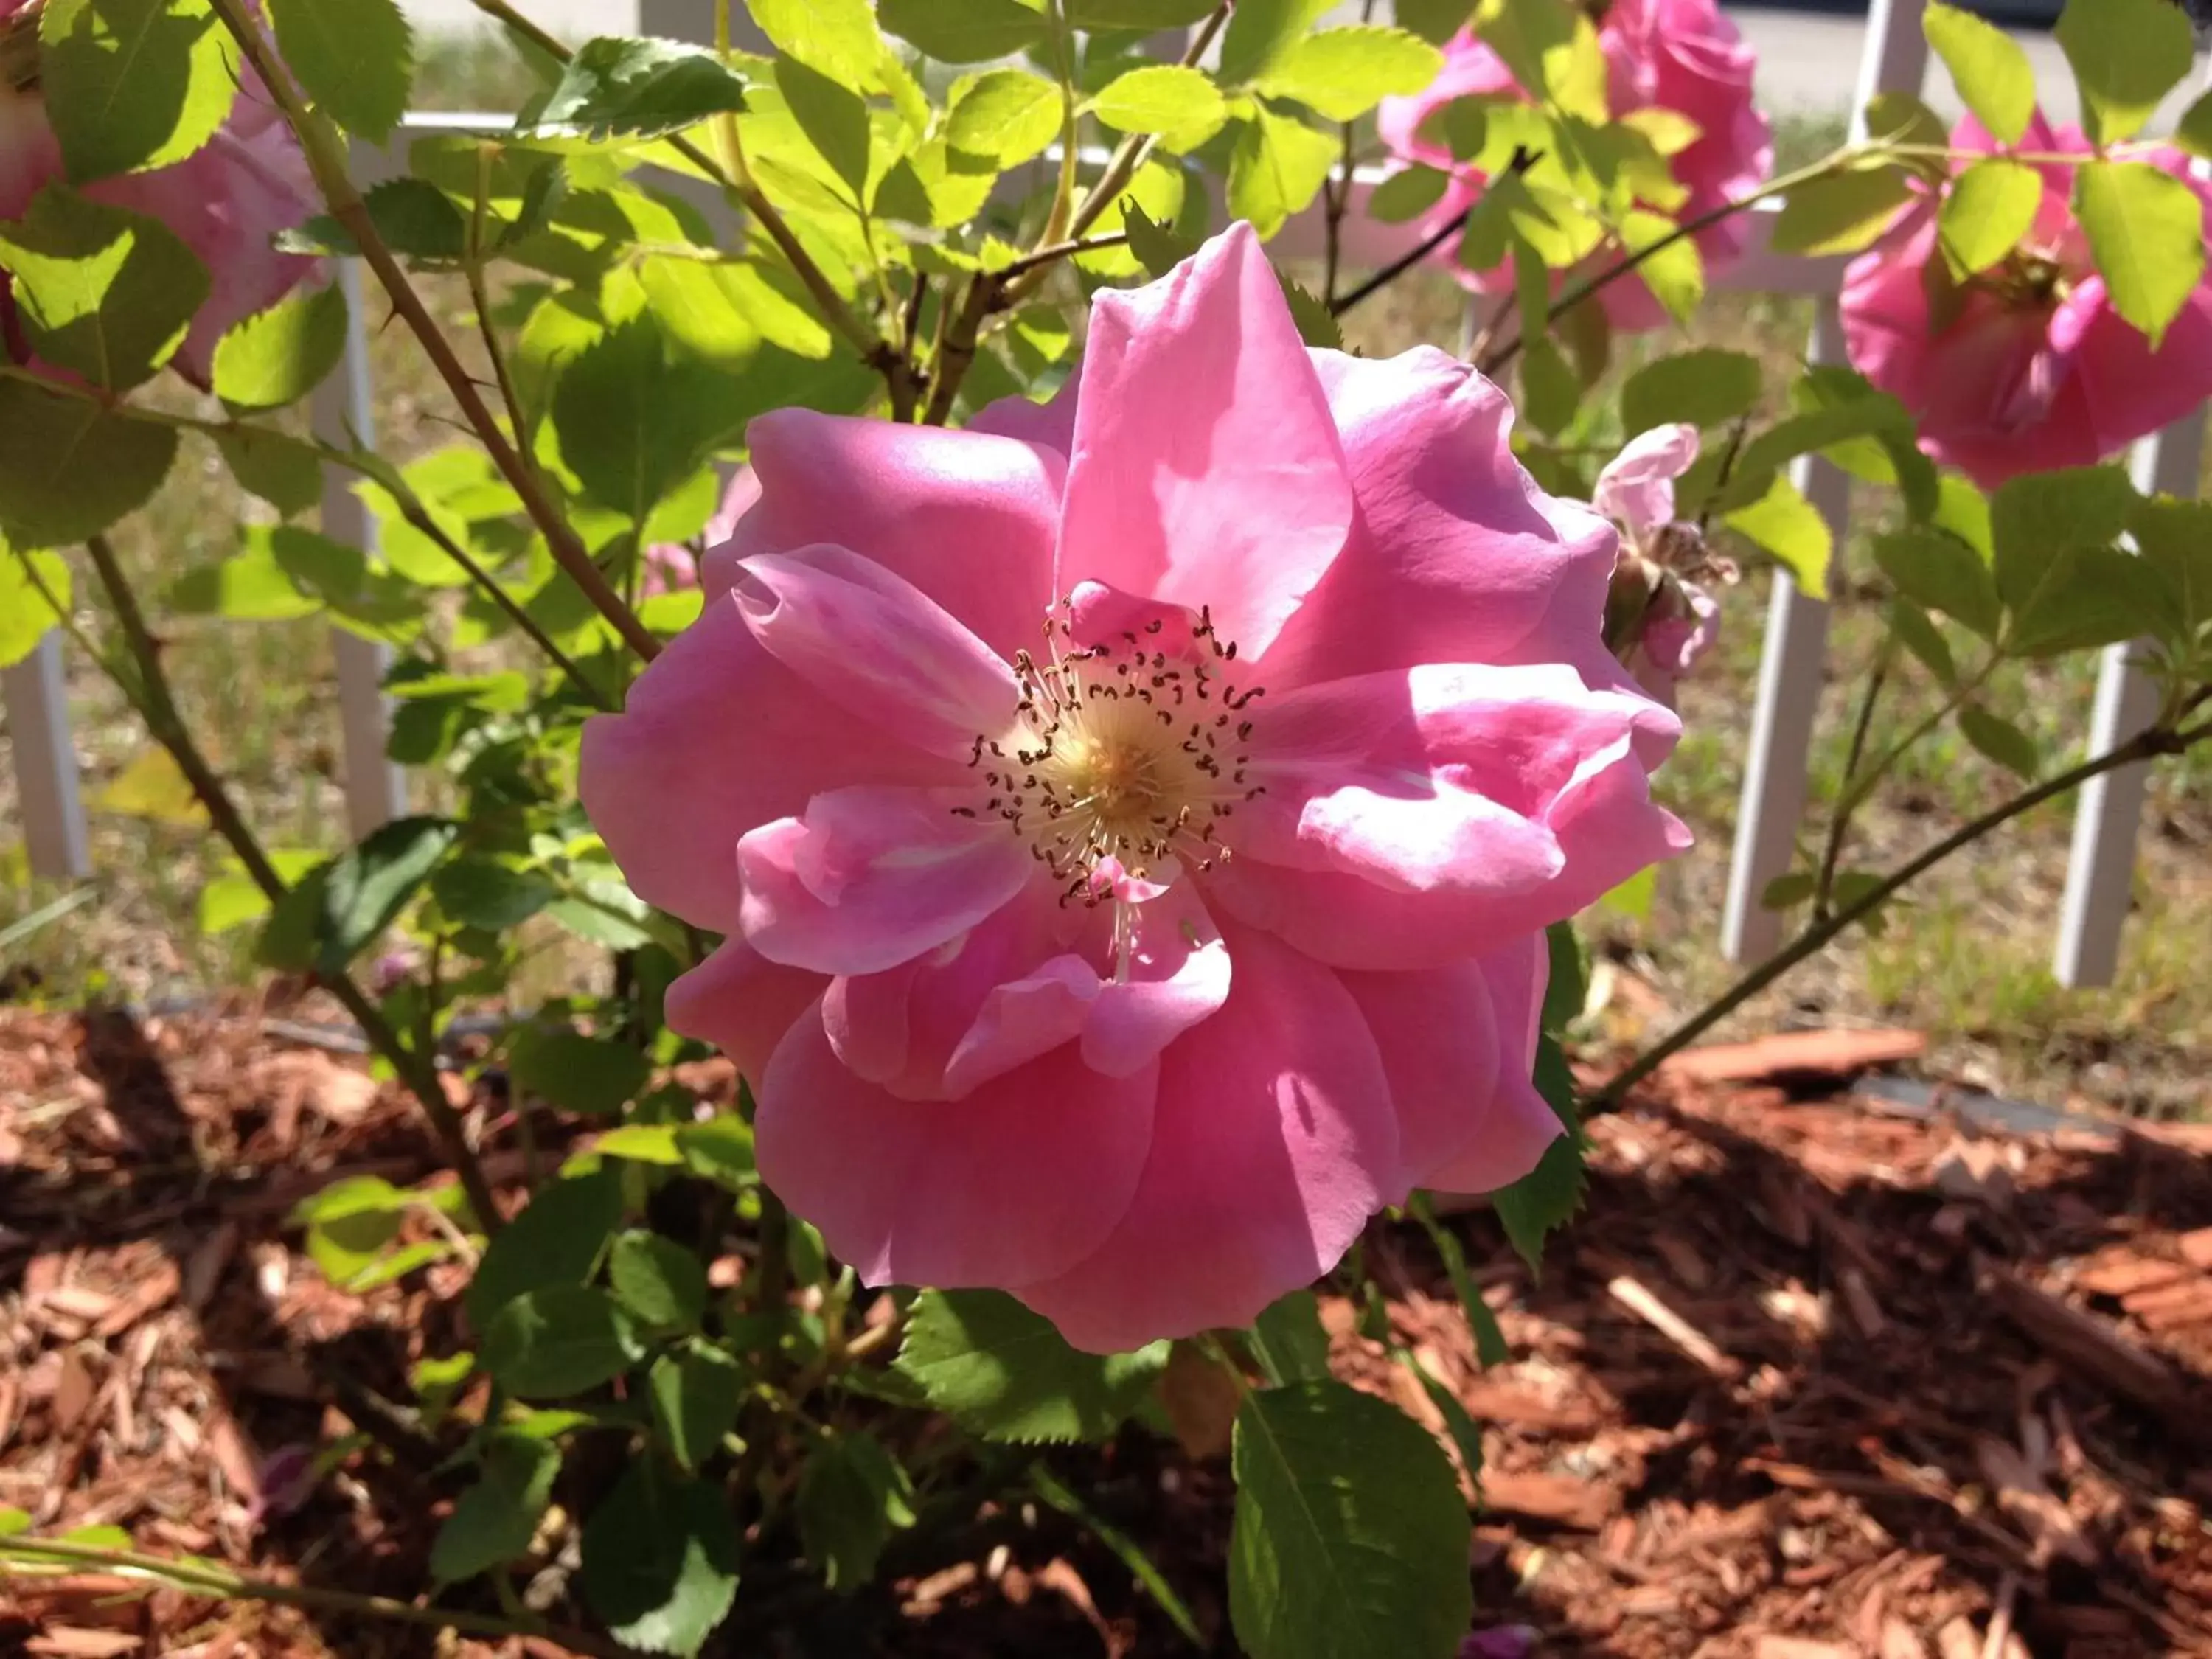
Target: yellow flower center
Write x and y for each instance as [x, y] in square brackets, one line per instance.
[1123, 750]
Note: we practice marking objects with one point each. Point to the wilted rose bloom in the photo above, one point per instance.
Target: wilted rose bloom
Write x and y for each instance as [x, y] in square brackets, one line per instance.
[1658, 622]
[1133, 818]
[227, 202]
[2025, 367]
[1679, 55]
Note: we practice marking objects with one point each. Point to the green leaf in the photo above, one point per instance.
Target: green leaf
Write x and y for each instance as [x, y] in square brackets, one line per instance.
[564, 1340]
[2037, 516]
[1707, 387]
[660, 1559]
[2064, 584]
[1181, 104]
[595, 1076]
[2175, 539]
[2146, 230]
[853, 1495]
[1988, 68]
[1543, 1200]
[1787, 526]
[102, 291]
[632, 426]
[412, 216]
[1277, 168]
[1900, 117]
[1407, 194]
[279, 356]
[1134, 14]
[556, 1240]
[1675, 274]
[70, 468]
[132, 84]
[964, 31]
[1260, 32]
[1434, 21]
[356, 61]
[1489, 1340]
[1934, 569]
[2126, 56]
[2193, 133]
[696, 1396]
[1566, 989]
[645, 1143]
[480, 891]
[493, 1522]
[1289, 1340]
[1987, 210]
[368, 885]
[1920, 635]
[1840, 214]
[1005, 1373]
[250, 585]
[25, 615]
[1004, 115]
[1550, 389]
[282, 471]
[658, 1280]
[1787, 892]
[1350, 1537]
[1552, 50]
[834, 118]
[1343, 73]
[641, 89]
[2000, 739]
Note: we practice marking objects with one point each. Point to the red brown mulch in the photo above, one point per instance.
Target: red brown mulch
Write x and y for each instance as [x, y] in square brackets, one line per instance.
[1806, 1382]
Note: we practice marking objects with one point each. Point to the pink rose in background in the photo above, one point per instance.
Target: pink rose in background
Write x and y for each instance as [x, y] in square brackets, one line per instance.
[1679, 55]
[1134, 818]
[2027, 366]
[671, 567]
[1659, 623]
[227, 201]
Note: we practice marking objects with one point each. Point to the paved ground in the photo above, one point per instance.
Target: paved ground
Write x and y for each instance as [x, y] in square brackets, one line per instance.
[1807, 61]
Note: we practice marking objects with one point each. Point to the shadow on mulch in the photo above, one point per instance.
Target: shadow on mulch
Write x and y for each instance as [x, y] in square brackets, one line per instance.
[1782, 1393]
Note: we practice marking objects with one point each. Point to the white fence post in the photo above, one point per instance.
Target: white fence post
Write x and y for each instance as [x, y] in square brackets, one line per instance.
[345, 412]
[2100, 869]
[1791, 667]
[37, 697]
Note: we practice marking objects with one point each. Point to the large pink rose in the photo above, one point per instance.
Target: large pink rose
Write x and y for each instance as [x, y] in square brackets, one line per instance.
[1133, 818]
[2026, 367]
[227, 201]
[1679, 55]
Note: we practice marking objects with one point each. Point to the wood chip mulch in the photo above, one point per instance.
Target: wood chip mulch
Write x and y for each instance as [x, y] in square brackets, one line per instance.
[1807, 1381]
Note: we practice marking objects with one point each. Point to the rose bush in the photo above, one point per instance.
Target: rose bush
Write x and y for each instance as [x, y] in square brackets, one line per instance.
[1187, 830]
[1113, 772]
[2028, 365]
[227, 201]
[1681, 58]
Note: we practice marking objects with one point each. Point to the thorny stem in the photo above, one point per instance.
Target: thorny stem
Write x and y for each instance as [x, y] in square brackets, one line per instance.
[737, 182]
[327, 158]
[412, 512]
[1336, 199]
[2157, 740]
[203, 1579]
[1399, 266]
[1839, 824]
[147, 689]
[1628, 264]
[1130, 153]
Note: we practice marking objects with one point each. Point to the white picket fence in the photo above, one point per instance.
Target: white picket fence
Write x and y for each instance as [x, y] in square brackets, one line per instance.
[1772, 810]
